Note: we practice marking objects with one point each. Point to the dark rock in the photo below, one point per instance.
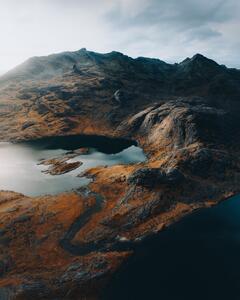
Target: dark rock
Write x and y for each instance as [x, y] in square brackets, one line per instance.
[62, 167]
[28, 124]
[174, 175]
[33, 290]
[150, 177]
[147, 177]
[41, 108]
[6, 293]
[24, 96]
[64, 95]
[5, 265]
[207, 162]
[22, 219]
[138, 214]
[121, 96]
[4, 241]
[2, 232]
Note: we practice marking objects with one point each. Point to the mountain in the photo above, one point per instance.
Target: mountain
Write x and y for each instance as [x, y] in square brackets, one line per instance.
[185, 116]
[67, 85]
[58, 64]
[176, 79]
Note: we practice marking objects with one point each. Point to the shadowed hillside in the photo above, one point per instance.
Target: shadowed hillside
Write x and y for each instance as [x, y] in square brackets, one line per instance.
[57, 93]
[185, 117]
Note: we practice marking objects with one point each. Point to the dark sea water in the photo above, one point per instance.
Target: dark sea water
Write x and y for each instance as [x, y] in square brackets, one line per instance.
[20, 172]
[197, 258]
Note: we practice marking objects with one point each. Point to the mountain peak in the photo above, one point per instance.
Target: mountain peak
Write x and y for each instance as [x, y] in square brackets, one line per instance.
[51, 66]
[199, 59]
[82, 50]
[199, 56]
[200, 64]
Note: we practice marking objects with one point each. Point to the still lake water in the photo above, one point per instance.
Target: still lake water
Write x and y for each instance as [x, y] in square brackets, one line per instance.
[20, 172]
[197, 258]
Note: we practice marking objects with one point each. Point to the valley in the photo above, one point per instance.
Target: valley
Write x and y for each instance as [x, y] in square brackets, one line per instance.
[183, 124]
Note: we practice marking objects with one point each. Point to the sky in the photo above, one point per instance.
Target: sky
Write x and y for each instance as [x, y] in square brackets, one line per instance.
[167, 29]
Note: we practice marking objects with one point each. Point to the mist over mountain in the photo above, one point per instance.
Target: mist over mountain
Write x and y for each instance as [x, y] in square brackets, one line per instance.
[197, 75]
[47, 67]
[65, 87]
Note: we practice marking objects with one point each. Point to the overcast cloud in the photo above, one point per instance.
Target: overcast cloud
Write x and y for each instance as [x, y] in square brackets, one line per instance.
[167, 29]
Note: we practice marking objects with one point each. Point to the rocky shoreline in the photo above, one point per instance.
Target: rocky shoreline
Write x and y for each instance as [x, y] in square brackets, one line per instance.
[185, 121]
[60, 165]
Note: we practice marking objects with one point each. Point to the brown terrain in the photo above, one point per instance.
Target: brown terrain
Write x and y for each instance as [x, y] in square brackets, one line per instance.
[186, 118]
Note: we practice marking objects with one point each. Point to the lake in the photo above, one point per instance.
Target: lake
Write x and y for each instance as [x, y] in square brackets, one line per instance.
[21, 173]
[197, 258]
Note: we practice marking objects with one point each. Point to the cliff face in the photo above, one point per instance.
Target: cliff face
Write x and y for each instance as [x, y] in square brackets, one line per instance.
[185, 116]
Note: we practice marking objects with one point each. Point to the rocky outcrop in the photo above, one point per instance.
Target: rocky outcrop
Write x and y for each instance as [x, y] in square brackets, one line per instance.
[62, 168]
[180, 123]
[186, 118]
[80, 91]
[60, 165]
[150, 177]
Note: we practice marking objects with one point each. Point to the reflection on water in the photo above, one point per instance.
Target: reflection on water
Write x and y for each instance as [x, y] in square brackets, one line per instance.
[19, 171]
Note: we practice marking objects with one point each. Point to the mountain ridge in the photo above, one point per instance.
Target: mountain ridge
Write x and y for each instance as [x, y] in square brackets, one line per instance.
[69, 58]
[184, 116]
[66, 85]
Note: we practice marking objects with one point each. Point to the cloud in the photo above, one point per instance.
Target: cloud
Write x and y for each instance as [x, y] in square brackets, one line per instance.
[184, 13]
[168, 29]
[175, 29]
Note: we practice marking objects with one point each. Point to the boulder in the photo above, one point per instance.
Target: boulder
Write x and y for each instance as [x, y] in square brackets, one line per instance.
[27, 124]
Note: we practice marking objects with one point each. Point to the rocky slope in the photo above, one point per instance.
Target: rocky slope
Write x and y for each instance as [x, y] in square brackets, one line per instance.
[185, 116]
[81, 91]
